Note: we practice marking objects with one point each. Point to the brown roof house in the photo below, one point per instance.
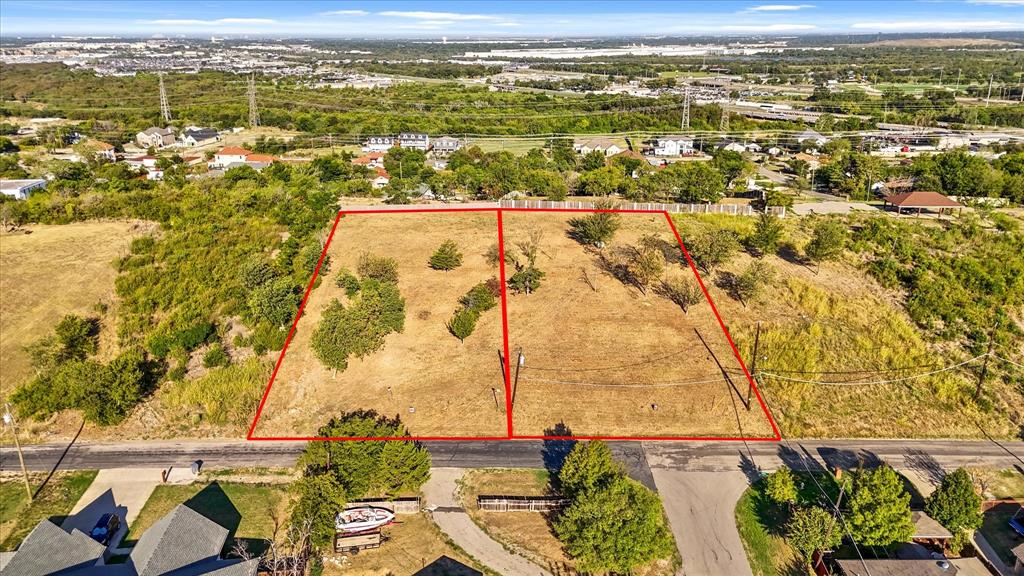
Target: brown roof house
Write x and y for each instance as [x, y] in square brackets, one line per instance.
[922, 200]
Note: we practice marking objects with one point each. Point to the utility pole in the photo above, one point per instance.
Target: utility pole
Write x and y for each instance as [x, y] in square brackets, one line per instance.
[685, 124]
[254, 113]
[989, 96]
[984, 365]
[10, 421]
[955, 90]
[753, 361]
[165, 107]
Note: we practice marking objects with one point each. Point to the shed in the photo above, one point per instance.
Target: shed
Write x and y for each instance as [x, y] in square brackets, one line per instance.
[922, 200]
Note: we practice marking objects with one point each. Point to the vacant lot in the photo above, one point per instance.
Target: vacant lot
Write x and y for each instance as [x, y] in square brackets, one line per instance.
[435, 383]
[604, 358]
[50, 272]
[55, 500]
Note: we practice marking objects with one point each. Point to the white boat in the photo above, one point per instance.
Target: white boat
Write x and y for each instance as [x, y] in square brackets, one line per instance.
[365, 518]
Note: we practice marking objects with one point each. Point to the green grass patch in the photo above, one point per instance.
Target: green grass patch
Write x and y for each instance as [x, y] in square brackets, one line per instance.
[997, 531]
[246, 510]
[224, 395]
[18, 517]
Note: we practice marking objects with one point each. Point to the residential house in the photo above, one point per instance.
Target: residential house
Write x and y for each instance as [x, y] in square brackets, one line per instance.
[370, 160]
[775, 151]
[140, 162]
[155, 137]
[415, 140]
[922, 567]
[379, 144]
[812, 161]
[182, 542]
[604, 145]
[445, 145]
[20, 189]
[731, 146]
[232, 156]
[102, 150]
[673, 146]
[382, 178]
[194, 136]
[812, 138]
[752, 147]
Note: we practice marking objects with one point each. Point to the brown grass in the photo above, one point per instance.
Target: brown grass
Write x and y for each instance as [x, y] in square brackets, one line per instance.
[598, 360]
[50, 272]
[414, 546]
[448, 383]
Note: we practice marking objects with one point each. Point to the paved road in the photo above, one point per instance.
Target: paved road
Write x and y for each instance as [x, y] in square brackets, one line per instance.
[441, 491]
[688, 456]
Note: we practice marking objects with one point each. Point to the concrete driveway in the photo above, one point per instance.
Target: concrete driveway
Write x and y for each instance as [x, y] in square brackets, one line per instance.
[440, 493]
[120, 491]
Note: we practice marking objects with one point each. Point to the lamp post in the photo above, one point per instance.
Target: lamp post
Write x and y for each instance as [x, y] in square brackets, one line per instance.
[10, 421]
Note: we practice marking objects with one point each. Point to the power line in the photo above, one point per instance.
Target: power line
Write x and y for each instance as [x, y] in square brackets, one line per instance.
[876, 382]
[254, 114]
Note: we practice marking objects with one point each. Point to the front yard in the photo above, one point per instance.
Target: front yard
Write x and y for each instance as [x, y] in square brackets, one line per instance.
[55, 500]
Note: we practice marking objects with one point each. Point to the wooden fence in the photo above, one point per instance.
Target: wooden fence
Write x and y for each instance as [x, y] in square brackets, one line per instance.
[521, 503]
[399, 506]
[729, 209]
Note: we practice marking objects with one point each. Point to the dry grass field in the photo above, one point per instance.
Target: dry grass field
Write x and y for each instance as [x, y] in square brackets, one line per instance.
[50, 272]
[613, 361]
[436, 384]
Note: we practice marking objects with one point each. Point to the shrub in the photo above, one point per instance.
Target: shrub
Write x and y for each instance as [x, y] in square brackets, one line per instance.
[348, 281]
[781, 486]
[597, 228]
[645, 264]
[216, 356]
[749, 283]
[683, 292]
[463, 323]
[526, 280]
[360, 329]
[812, 529]
[378, 268]
[446, 257]
[767, 235]
[827, 241]
[712, 248]
[275, 302]
[481, 297]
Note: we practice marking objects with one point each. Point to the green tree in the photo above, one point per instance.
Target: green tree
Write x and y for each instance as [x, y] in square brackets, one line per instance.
[592, 161]
[827, 241]
[320, 499]
[463, 323]
[955, 504]
[378, 268]
[588, 465]
[255, 272]
[768, 234]
[274, 302]
[446, 257]
[683, 292]
[879, 509]
[597, 228]
[781, 486]
[749, 283]
[615, 528]
[359, 329]
[712, 248]
[813, 529]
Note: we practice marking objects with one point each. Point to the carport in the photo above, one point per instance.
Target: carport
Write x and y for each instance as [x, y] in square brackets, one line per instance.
[922, 200]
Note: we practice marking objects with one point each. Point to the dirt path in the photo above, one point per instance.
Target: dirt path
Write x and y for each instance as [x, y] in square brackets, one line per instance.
[440, 492]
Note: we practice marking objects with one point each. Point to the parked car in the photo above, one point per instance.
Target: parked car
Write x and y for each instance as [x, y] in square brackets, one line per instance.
[105, 528]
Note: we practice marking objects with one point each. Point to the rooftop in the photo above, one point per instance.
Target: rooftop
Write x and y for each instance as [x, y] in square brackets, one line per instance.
[896, 568]
[922, 199]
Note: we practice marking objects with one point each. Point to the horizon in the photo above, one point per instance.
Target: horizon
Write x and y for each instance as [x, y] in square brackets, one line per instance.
[366, 20]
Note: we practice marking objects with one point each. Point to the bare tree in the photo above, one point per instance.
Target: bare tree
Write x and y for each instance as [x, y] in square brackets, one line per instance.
[585, 276]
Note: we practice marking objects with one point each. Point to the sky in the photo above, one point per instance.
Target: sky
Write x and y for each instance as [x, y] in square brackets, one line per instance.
[510, 18]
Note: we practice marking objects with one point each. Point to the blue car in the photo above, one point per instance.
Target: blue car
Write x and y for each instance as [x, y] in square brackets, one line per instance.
[105, 528]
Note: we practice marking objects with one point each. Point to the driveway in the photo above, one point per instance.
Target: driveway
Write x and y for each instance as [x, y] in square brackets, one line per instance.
[832, 207]
[449, 515]
[701, 511]
[121, 491]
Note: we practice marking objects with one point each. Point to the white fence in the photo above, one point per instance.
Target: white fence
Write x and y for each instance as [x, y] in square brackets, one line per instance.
[730, 209]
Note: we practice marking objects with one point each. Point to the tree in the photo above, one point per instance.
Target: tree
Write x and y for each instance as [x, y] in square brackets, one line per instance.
[446, 257]
[879, 509]
[684, 182]
[731, 165]
[813, 529]
[712, 248]
[274, 301]
[463, 323]
[781, 486]
[597, 228]
[768, 232]
[255, 272]
[955, 504]
[378, 268]
[593, 160]
[646, 263]
[684, 292]
[527, 276]
[320, 499]
[748, 284]
[359, 329]
[588, 465]
[827, 241]
[615, 528]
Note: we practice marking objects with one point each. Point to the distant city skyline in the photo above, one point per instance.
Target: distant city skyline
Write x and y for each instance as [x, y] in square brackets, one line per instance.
[455, 19]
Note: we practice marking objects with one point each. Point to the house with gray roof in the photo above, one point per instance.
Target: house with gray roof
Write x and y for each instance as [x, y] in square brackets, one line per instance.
[182, 543]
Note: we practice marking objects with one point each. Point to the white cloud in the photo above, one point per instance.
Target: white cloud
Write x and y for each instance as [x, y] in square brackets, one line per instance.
[507, 24]
[425, 15]
[218, 22]
[345, 13]
[779, 7]
[998, 2]
[940, 25]
[768, 27]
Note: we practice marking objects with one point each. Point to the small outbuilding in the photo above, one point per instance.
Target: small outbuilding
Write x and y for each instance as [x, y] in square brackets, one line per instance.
[922, 200]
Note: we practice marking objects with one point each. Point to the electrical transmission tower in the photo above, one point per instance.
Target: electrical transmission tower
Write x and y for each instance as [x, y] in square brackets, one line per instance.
[254, 114]
[165, 107]
[685, 124]
[724, 126]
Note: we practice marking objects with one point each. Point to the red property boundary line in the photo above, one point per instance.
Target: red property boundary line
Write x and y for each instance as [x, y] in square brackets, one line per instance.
[510, 435]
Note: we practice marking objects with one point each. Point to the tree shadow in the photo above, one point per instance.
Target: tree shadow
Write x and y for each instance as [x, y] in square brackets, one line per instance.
[924, 464]
[555, 450]
[789, 253]
[750, 469]
[837, 459]
[447, 566]
[799, 461]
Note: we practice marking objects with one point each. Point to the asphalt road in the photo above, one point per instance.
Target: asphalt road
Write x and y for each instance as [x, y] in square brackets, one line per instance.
[636, 456]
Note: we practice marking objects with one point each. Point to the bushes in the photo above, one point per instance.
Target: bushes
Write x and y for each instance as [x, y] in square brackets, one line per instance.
[378, 268]
[215, 357]
[224, 395]
[596, 229]
[463, 323]
[711, 248]
[478, 300]
[360, 329]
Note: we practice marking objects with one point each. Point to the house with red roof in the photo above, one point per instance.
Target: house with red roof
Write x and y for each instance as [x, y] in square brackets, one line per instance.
[231, 156]
[382, 178]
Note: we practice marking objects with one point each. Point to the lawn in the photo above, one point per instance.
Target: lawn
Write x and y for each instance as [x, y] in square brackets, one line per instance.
[437, 384]
[997, 531]
[57, 498]
[414, 545]
[246, 510]
[529, 534]
[37, 271]
[603, 357]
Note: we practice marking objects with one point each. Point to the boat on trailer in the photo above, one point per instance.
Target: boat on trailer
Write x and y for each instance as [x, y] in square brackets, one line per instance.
[362, 519]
